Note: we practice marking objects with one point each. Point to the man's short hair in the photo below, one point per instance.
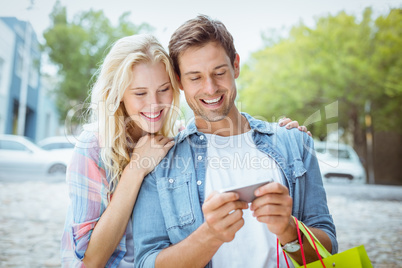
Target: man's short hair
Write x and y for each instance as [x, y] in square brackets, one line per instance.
[198, 32]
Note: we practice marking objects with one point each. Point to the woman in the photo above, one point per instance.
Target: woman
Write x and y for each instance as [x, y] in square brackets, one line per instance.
[134, 106]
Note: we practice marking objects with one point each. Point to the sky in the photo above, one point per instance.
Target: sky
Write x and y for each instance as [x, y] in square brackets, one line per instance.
[245, 19]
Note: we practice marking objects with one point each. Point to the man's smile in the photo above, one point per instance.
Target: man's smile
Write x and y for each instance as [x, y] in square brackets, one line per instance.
[213, 102]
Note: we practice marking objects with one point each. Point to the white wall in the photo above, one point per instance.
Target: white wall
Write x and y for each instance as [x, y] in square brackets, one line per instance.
[48, 116]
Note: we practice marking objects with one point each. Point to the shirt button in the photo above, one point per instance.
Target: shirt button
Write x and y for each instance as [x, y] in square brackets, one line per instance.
[171, 180]
[201, 137]
[199, 183]
[199, 157]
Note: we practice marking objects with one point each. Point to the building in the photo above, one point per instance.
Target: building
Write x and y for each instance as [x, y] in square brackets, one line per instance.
[25, 106]
[21, 74]
[7, 45]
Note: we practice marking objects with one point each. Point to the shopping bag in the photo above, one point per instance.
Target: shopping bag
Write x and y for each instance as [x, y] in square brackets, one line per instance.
[354, 258]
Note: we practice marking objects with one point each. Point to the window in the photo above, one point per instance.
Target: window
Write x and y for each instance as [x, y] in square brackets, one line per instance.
[19, 64]
[12, 145]
[343, 154]
[61, 145]
[1, 71]
[33, 73]
[320, 150]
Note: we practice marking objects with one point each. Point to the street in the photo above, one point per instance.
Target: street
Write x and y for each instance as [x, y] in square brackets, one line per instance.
[32, 217]
[369, 215]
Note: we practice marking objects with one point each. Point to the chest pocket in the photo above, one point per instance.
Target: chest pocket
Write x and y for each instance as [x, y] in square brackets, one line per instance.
[297, 170]
[175, 198]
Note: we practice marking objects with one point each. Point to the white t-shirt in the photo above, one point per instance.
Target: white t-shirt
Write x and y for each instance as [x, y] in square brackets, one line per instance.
[235, 161]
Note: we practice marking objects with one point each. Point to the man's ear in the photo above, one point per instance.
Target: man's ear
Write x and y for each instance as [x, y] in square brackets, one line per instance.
[179, 81]
[236, 65]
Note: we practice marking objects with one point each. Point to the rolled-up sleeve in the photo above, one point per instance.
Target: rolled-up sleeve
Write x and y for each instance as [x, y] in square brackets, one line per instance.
[316, 213]
[80, 234]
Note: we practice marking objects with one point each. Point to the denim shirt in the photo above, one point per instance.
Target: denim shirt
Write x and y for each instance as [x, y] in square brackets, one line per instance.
[168, 207]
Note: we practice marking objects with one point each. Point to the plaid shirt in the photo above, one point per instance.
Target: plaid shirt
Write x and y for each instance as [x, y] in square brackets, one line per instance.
[88, 188]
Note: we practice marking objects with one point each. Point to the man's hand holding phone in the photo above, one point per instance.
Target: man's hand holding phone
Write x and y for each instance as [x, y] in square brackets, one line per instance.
[223, 213]
[273, 206]
[270, 203]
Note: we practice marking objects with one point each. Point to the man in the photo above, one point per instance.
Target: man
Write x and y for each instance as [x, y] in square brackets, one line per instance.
[180, 219]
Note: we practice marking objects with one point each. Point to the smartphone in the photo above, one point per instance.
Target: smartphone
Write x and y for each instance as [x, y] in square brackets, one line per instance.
[246, 193]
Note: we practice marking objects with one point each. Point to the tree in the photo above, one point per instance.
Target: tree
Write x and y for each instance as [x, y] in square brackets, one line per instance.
[77, 48]
[387, 61]
[339, 60]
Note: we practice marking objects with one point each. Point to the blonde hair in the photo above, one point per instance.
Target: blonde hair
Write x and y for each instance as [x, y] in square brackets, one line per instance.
[107, 110]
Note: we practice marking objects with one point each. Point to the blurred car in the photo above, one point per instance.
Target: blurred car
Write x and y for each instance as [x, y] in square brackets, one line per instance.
[339, 161]
[20, 156]
[57, 143]
[63, 146]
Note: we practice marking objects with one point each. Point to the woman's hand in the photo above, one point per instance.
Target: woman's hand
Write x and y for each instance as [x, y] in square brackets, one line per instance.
[149, 151]
[292, 124]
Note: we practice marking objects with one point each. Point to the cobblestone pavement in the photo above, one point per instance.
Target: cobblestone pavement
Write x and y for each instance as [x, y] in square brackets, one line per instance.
[32, 217]
[371, 216]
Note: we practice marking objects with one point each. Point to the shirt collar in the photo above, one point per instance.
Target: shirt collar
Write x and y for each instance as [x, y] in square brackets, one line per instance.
[255, 124]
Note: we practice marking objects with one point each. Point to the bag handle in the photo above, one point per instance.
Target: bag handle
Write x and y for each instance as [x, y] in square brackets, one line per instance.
[301, 248]
[300, 241]
[312, 239]
[321, 251]
[277, 254]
